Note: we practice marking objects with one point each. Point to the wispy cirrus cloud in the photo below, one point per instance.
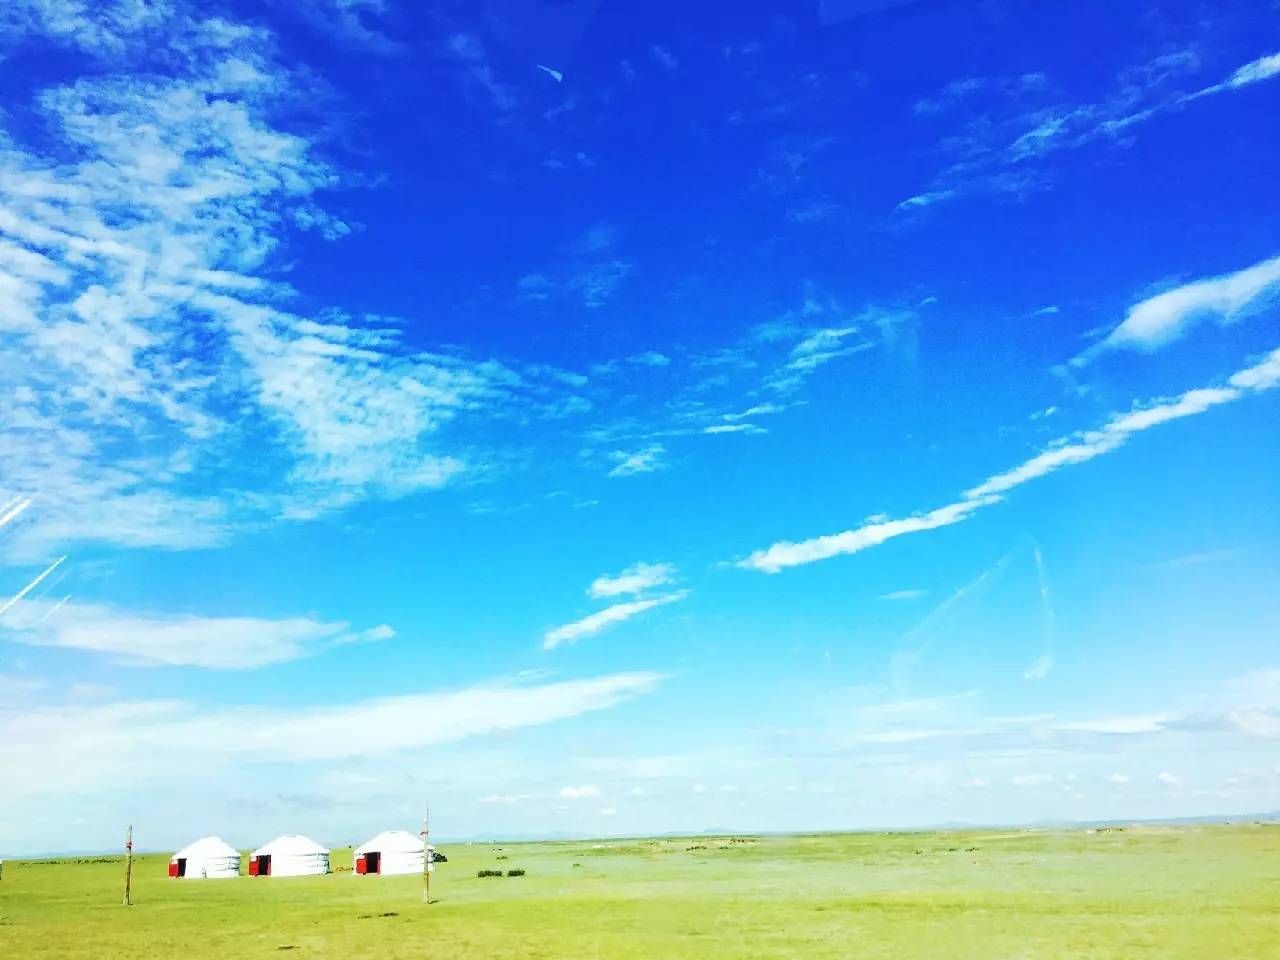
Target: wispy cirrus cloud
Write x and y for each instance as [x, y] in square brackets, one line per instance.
[165, 640]
[591, 284]
[600, 620]
[1026, 121]
[1193, 559]
[911, 594]
[634, 579]
[357, 23]
[479, 76]
[1079, 448]
[136, 285]
[647, 459]
[53, 749]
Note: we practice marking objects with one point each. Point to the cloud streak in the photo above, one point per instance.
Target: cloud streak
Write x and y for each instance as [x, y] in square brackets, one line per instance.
[56, 749]
[635, 579]
[1080, 448]
[996, 151]
[602, 619]
[645, 460]
[1161, 319]
[9, 604]
[174, 640]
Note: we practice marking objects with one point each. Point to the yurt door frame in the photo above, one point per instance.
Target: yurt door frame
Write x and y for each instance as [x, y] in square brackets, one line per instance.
[373, 862]
[264, 864]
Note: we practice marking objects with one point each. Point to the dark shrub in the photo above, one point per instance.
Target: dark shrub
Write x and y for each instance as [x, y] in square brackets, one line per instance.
[488, 873]
[515, 873]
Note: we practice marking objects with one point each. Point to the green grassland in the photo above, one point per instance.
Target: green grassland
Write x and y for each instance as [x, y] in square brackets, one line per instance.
[1205, 892]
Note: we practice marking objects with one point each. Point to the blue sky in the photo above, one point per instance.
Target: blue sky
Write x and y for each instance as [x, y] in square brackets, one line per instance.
[764, 416]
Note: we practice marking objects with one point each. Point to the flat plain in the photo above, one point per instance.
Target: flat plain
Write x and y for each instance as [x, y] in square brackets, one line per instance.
[1157, 891]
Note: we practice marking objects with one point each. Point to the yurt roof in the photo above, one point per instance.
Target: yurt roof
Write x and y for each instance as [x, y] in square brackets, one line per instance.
[392, 841]
[206, 848]
[291, 844]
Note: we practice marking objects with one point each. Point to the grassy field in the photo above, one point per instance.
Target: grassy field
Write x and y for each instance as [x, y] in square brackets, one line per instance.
[1203, 892]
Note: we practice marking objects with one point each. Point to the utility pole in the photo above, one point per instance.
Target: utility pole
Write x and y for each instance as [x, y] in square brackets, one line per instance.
[426, 853]
[128, 867]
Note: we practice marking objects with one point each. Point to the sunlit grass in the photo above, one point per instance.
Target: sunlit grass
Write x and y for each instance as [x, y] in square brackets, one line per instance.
[1205, 892]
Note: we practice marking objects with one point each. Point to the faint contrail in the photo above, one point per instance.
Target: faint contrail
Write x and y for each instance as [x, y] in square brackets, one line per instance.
[1040, 669]
[907, 652]
[13, 508]
[32, 585]
[54, 609]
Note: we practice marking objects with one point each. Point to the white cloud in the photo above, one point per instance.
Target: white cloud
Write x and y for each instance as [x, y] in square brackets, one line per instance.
[1119, 779]
[1193, 559]
[13, 686]
[646, 460]
[52, 750]
[635, 579]
[902, 595]
[921, 200]
[1264, 375]
[920, 706]
[650, 358]
[758, 410]
[1255, 71]
[1152, 723]
[997, 148]
[664, 57]
[1258, 723]
[784, 554]
[718, 428]
[1252, 703]
[132, 242]
[1039, 670]
[356, 22]
[596, 283]
[1113, 434]
[13, 509]
[821, 342]
[1169, 779]
[1163, 318]
[594, 623]
[1261, 69]
[579, 793]
[151, 640]
[478, 73]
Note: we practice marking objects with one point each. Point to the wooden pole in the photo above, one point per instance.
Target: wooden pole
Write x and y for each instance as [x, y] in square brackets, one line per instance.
[128, 867]
[426, 853]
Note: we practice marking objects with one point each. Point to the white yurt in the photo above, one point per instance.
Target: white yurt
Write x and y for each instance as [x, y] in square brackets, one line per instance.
[289, 856]
[390, 852]
[205, 859]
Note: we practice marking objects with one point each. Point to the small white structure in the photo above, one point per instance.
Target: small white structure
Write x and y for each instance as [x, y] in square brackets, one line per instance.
[206, 859]
[289, 856]
[390, 852]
